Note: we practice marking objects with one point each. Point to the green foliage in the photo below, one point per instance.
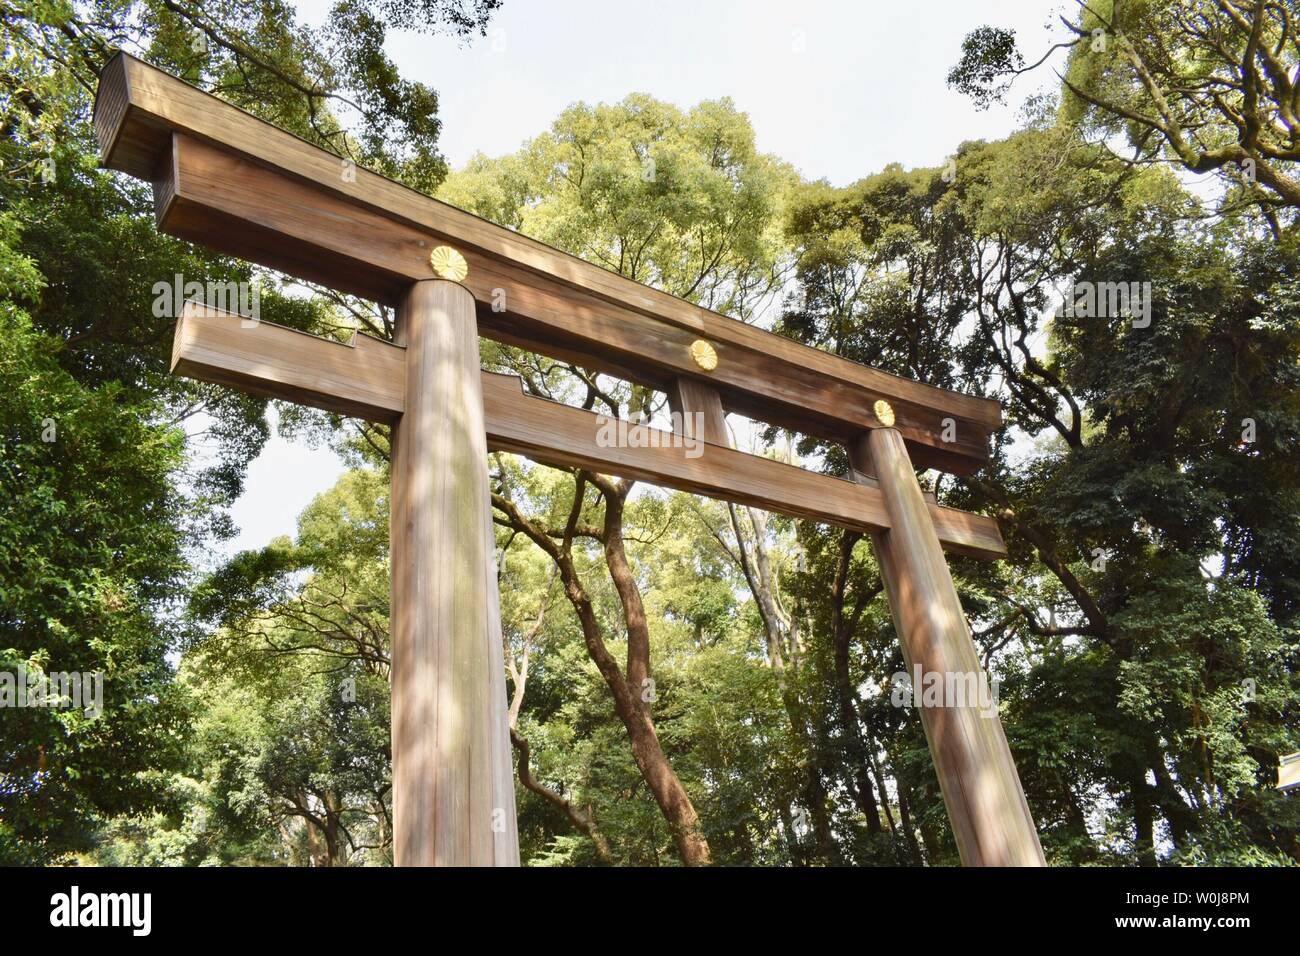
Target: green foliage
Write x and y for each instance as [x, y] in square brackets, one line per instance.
[1203, 84]
[679, 200]
[90, 561]
[1143, 631]
[116, 474]
[1139, 604]
[988, 58]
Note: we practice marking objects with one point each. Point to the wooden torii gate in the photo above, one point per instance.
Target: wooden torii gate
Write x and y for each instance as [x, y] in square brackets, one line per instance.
[229, 181]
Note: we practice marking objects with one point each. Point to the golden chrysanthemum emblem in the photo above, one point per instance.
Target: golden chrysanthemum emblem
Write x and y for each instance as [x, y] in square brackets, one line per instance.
[884, 412]
[704, 354]
[449, 263]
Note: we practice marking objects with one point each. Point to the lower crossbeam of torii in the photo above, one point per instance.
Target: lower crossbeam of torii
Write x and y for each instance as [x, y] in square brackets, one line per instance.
[226, 180]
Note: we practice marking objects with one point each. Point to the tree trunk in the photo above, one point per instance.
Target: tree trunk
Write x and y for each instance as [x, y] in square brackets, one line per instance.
[632, 702]
[1143, 820]
[842, 633]
[585, 822]
[784, 653]
[869, 745]
[626, 689]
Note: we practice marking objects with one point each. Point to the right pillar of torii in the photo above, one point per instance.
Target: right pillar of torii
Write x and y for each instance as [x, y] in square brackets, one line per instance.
[981, 788]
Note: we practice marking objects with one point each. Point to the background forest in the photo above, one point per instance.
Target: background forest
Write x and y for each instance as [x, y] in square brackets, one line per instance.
[690, 683]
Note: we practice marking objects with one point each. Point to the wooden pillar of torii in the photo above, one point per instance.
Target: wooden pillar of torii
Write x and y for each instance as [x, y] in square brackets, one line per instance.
[227, 180]
[453, 785]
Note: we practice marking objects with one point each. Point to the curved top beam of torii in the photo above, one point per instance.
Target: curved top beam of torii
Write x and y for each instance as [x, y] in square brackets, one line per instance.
[233, 182]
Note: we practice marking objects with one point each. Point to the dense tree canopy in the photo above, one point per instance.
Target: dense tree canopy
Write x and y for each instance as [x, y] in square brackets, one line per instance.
[116, 475]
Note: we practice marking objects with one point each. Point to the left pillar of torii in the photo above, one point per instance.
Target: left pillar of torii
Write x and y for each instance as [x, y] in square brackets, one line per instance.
[453, 782]
[453, 785]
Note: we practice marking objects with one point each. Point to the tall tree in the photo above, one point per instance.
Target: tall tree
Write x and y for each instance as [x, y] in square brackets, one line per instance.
[1208, 84]
[682, 201]
[104, 521]
[1119, 488]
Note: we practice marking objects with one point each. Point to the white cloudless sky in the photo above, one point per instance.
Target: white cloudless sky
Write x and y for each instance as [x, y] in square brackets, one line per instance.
[839, 89]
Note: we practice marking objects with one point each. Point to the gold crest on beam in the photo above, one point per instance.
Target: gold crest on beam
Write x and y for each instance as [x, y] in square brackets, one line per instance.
[704, 354]
[448, 263]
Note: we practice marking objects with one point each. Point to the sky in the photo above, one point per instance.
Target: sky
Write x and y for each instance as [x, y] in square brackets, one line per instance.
[837, 89]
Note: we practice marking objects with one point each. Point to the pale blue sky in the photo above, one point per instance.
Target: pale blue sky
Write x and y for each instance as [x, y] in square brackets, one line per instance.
[837, 89]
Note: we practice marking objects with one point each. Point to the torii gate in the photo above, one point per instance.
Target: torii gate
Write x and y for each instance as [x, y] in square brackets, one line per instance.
[227, 180]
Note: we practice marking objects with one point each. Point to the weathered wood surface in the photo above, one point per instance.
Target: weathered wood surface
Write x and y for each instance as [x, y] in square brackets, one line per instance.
[241, 185]
[367, 379]
[981, 788]
[689, 398]
[453, 787]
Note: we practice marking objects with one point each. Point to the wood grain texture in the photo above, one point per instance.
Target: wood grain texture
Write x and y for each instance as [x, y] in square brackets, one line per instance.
[559, 435]
[235, 205]
[689, 397]
[981, 788]
[233, 183]
[764, 376]
[366, 379]
[453, 791]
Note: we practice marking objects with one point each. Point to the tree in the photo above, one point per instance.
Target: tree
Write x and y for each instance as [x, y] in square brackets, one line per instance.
[683, 202]
[1126, 493]
[291, 677]
[1207, 84]
[91, 556]
[690, 682]
[103, 522]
